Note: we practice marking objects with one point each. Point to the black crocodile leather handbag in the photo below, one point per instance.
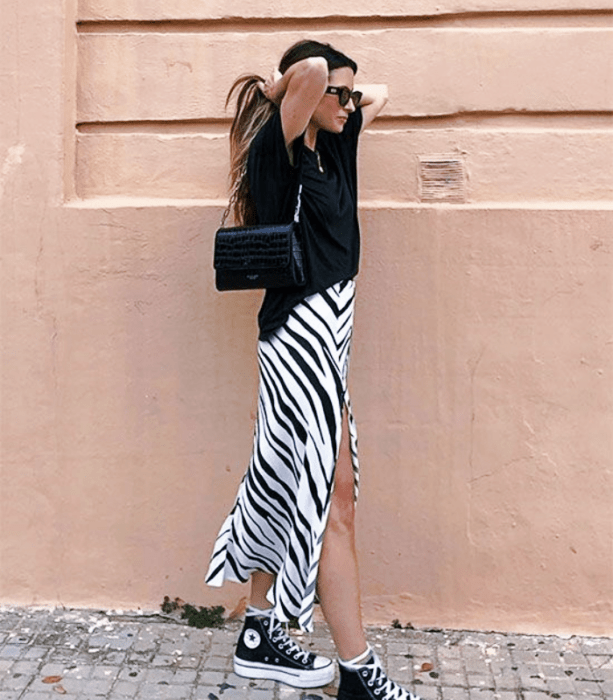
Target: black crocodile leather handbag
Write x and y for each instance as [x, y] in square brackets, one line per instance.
[261, 256]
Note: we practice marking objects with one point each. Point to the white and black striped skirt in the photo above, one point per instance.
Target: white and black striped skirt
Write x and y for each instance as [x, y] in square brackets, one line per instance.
[280, 514]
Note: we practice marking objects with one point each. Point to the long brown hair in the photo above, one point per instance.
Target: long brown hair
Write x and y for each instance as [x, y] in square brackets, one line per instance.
[253, 110]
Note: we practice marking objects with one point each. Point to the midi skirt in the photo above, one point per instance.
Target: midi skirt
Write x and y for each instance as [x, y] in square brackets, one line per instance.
[278, 520]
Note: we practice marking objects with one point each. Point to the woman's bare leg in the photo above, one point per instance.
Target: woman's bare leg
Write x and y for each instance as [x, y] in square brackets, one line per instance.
[338, 581]
[260, 585]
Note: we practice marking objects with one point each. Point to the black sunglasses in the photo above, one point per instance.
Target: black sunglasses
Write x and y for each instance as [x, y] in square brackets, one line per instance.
[345, 94]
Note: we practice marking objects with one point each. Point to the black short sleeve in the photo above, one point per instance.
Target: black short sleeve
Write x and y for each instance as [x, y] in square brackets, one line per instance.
[272, 178]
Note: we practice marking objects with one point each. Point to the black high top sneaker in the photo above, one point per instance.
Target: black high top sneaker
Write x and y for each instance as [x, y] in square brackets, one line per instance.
[265, 650]
[368, 681]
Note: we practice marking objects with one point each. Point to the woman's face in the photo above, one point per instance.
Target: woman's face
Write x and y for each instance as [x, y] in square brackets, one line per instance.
[329, 115]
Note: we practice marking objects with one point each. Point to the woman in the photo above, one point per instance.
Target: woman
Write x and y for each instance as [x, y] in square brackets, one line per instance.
[292, 527]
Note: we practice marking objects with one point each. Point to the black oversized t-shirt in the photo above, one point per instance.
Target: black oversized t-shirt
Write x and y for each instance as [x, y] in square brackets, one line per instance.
[329, 221]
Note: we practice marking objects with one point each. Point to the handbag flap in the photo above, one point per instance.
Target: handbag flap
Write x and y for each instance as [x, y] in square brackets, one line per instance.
[257, 247]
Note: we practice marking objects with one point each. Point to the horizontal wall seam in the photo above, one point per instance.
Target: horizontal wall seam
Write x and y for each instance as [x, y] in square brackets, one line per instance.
[469, 20]
[123, 202]
[206, 127]
[546, 121]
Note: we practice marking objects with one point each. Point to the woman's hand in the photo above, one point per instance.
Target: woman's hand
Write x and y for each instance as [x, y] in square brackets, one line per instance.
[274, 89]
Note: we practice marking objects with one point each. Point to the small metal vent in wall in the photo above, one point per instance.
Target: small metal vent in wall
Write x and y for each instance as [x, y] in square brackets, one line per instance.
[442, 179]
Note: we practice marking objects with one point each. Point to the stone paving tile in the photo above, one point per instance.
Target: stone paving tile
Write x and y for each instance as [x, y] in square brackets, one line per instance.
[119, 656]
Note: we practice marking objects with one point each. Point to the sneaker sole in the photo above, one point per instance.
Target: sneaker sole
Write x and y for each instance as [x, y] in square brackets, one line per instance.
[294, 677]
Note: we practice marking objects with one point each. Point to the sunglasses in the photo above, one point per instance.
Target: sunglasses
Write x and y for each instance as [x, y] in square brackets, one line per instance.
[344, 95]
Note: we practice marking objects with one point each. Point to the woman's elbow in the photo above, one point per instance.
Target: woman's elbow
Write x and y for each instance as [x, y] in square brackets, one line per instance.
[314, 69]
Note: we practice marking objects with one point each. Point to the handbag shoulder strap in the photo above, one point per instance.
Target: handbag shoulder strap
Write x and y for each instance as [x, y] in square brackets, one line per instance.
[298, 204]
[232, 199]
[234, 195]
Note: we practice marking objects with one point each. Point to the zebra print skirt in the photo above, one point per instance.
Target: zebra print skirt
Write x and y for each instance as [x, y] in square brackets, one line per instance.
[278, 521]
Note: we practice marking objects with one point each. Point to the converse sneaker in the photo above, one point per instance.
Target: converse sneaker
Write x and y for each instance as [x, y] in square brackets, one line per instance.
[368, 681]
[265, 650]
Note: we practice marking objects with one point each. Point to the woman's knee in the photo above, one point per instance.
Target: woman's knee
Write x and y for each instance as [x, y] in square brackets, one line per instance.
[342, 509]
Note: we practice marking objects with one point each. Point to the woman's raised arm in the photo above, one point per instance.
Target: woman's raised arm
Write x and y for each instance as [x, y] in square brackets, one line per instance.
[298, 92]
[374, 99]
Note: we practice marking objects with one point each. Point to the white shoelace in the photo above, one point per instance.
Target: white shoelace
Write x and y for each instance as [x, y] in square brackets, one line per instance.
[382, 684]
[281, 639]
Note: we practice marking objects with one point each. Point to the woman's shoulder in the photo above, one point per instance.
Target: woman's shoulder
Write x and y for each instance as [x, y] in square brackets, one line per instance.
[271, 131]
[269, 170]
[268, 149]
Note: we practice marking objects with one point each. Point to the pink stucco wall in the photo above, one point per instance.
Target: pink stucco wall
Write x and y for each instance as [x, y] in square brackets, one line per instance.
[482, 366]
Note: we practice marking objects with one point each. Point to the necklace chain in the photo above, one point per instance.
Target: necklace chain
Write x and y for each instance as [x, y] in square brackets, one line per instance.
[319, 165]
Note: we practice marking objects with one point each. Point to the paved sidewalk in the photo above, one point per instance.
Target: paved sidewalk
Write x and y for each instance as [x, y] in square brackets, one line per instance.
[46, 654]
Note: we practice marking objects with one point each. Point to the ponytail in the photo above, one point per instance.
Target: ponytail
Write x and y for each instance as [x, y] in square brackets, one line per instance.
[253, 110]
